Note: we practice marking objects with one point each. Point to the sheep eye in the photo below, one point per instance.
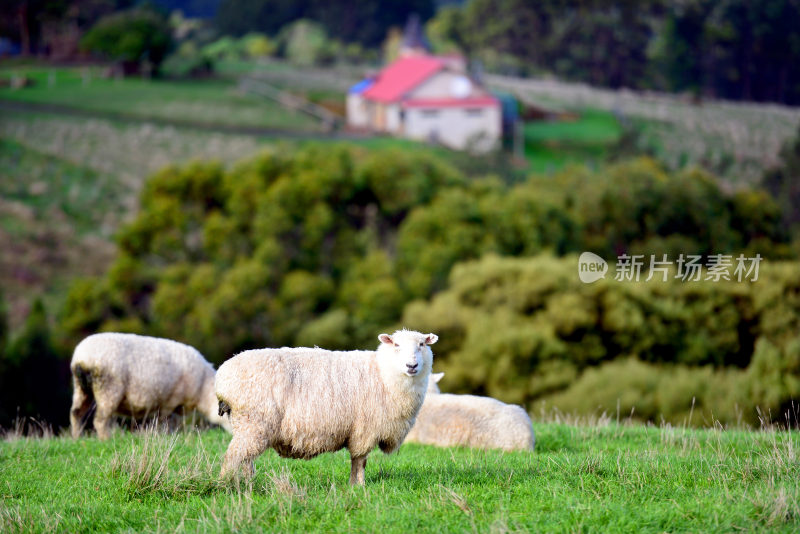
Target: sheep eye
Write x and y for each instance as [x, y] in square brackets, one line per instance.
[396, 345]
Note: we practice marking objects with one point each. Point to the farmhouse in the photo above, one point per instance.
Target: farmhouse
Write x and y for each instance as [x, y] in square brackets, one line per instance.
[429, 98]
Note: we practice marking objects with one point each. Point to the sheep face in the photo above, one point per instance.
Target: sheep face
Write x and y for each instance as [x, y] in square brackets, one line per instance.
[408, 352]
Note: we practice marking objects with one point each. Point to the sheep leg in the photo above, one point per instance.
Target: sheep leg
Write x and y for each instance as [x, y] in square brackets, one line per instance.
[81, 404]
[102, 421]
[357, 467]
[243, 449]
[107, 399]
[163, 419]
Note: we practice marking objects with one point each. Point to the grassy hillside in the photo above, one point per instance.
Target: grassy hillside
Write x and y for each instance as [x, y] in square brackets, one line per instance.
[549, 145]
[67, 182]
[735, 141]
[52, 225]
[599, 478]
[210, 101]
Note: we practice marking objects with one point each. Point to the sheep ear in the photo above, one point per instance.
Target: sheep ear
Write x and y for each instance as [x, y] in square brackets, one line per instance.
[431, 339]
[386, 338]
[436, 377]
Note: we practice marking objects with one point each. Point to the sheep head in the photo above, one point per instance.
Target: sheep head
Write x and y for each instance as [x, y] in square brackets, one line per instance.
[408, 352]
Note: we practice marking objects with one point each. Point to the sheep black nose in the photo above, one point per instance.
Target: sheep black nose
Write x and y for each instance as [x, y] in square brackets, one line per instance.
[411, 367]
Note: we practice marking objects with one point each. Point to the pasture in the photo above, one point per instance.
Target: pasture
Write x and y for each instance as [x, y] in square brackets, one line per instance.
[210, 102]
[597, 475]
[736, 141]
[69, 182]
[49, 223]
[588, 140]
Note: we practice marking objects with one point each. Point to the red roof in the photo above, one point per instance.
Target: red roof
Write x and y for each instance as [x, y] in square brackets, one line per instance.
[401, 76]
[476, 102]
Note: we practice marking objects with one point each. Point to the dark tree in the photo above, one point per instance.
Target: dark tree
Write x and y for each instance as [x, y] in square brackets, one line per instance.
[682, 57]
[238, 17]
[783, 182]
[131, 38]
[365, 22]
[754, 49]
[35, 378]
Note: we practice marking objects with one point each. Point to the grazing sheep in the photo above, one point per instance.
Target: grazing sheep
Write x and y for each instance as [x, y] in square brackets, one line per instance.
[137, 375]
[303, 402]
[447, 420]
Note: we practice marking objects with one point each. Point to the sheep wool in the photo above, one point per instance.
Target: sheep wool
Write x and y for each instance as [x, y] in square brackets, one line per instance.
[303, 402]
[447, 420]
[136, 375]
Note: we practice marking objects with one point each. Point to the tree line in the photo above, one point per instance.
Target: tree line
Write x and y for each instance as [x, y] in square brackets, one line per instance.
[733, 49]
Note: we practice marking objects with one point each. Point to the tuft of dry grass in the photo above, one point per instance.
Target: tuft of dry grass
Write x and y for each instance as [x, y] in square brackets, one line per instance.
[777, 508]
[27, 428]
[282, 482]
[145, 465]
[229, 513]
[17, 520]
[151, 465]
[451, 496]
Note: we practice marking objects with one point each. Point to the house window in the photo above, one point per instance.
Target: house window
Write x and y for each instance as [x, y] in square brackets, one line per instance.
[474, 112]
[430, 113]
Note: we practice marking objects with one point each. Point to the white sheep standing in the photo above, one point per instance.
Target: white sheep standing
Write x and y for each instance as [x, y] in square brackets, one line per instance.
[303, 402]
[137, 375]
[447, 420]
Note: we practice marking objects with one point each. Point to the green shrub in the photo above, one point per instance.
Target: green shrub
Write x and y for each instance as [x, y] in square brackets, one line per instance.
[131, 36]
[677, 394]
[254, 256]
[523, 329]
[306, 43]
[188, 61]
[258, 45]
[223, 48]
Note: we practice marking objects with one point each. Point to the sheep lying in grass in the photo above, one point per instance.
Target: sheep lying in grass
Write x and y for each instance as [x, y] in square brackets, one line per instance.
[137, 375]
[447, 420]
[303, 402]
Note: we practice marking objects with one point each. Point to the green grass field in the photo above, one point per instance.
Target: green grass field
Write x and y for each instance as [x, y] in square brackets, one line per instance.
[66, 185]
[604, 477]
[550, 145]
[736, 141]
[50, 186]
[208, 101]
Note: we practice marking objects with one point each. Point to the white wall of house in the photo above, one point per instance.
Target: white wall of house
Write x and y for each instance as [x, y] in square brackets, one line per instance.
[456, 127]
[357, 116]
[440, 86]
